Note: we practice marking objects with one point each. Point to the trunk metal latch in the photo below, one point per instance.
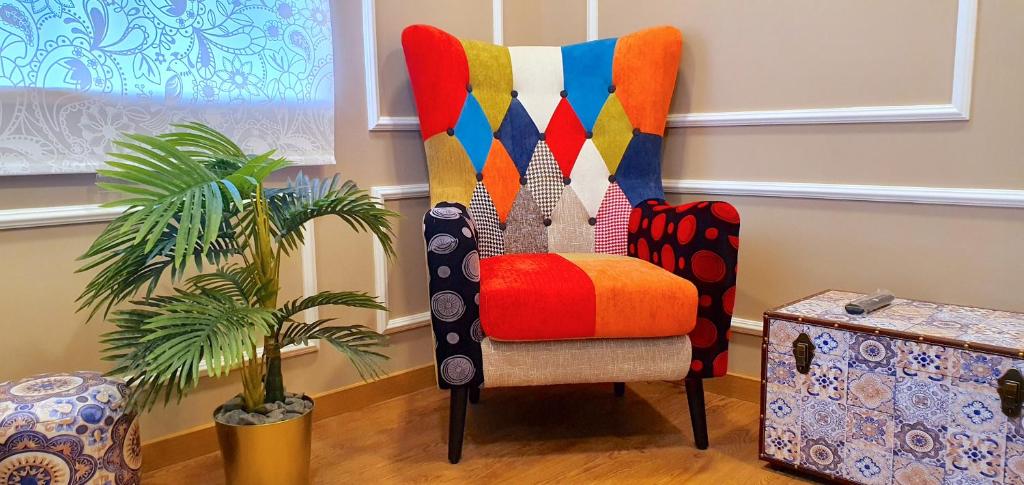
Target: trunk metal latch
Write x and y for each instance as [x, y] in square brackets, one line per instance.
[803, 352]
[1011, 392]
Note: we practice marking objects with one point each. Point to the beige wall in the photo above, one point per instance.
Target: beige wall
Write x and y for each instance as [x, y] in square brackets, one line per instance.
[42, 333]
[739, 55]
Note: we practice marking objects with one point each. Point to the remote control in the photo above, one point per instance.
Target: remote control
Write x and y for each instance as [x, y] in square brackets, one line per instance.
[869, 303]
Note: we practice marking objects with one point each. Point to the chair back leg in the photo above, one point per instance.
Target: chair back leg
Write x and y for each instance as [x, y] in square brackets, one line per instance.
[620, 389]
[698, 418]
[474, 395]
[457, 422]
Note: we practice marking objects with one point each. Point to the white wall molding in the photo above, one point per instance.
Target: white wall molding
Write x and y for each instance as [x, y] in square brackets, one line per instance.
[56, 216]
[385, 323]
[309, 284]
[970, 197]
[380, 122]
[498, 22]
[373, 115]
[963, 56]
[974, 197]
[747, 326]
[901, 194]
[35, 217]
[592, 20]
[407, 322]
[957, 109]
[820, 116]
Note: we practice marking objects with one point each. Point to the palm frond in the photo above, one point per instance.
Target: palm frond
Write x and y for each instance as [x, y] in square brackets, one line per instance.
[127, 267]
[160, 343]
[340, 298]
[305, 199]
[187, 179]
[211, 148]
[239, 282]
[193, 197]
[355, 341]
[184, 192]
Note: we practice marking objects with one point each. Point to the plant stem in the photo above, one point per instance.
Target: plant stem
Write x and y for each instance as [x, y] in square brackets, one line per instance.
[268, 268]
[275, 380]
[252, 385]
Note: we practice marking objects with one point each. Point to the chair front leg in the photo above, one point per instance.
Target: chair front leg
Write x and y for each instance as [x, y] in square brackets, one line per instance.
[698, 417]
[454, 264]
[457, 422]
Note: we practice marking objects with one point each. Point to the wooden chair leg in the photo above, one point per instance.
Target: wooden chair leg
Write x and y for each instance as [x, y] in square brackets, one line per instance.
[457, 423]
[474, 395]
[698, 417]
[620, 389]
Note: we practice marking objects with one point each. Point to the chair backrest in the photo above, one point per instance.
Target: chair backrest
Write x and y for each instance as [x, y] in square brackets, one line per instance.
[548, 147]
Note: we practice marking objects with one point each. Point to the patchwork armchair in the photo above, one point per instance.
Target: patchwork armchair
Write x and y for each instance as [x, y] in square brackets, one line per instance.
[553, 256]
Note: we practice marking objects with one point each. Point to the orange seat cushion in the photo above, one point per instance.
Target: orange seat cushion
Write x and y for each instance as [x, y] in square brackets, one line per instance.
[527, 297]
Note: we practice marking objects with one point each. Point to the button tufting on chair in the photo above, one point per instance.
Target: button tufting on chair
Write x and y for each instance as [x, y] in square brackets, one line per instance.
[518, 272]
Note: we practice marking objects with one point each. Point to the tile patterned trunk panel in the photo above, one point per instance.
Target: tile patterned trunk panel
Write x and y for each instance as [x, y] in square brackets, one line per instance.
[908, 404]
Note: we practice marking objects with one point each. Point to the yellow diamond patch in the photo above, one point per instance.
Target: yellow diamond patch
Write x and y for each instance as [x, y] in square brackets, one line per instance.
[612, 132]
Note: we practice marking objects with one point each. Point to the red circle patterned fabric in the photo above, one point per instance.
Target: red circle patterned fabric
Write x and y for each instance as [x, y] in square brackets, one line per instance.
[699, 242]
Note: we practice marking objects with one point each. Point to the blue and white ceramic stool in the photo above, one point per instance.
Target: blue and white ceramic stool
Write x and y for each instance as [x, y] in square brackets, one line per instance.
[68, 429]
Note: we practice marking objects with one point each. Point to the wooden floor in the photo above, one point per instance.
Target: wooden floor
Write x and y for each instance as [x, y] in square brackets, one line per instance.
[562, 434]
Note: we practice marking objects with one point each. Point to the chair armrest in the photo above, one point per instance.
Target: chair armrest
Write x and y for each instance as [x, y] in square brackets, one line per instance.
[700, 242]
[454, 265]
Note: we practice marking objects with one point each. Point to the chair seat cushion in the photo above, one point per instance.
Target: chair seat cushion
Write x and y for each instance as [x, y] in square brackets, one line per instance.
[527, 297]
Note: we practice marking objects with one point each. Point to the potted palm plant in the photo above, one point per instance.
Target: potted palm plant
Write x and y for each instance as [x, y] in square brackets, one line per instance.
[198, 214]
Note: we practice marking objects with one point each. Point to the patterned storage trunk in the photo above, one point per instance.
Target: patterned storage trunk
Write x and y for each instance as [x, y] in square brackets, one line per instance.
[908, 394]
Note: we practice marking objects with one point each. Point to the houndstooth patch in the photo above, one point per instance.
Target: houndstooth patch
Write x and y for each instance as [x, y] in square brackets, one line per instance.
[544, 179]
[611, 231]
[490, 241]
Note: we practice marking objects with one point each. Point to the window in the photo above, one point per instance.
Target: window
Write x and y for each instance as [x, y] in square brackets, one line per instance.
[76, 73]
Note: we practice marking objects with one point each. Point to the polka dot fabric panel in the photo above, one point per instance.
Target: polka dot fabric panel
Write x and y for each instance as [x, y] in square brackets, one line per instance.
[700, 242]
[454, 262]
[526, 121]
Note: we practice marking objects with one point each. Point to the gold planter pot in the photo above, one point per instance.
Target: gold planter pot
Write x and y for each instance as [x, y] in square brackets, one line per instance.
[267, 454]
